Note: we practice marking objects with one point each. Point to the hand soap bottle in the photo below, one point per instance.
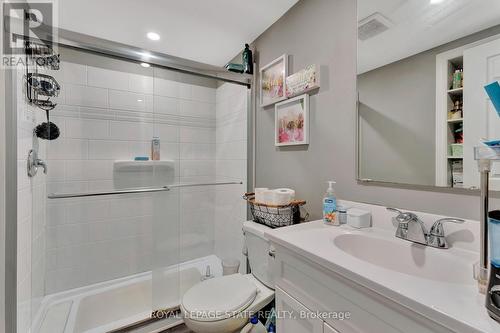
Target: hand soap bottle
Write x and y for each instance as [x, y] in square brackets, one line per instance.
[330, 206]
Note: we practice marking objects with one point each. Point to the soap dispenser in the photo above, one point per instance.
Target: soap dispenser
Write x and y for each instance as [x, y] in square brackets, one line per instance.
[330, 206]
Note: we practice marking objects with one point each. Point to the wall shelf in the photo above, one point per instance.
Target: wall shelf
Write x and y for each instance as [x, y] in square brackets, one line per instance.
[457, 91]
[449, 168]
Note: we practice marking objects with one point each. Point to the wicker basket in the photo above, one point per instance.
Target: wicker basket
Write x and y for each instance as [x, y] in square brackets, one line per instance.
[275, 216]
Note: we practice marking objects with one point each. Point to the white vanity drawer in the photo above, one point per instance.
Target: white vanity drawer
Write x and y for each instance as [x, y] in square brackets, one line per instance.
[322, 290]
[293, 317]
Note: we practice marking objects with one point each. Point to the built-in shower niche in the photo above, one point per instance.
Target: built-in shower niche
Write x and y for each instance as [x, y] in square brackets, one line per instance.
[130, 174]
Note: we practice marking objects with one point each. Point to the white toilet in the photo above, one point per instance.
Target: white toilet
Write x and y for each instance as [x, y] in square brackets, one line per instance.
[223, 304]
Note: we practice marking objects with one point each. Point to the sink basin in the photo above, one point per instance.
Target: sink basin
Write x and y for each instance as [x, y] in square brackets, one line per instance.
[409, 258]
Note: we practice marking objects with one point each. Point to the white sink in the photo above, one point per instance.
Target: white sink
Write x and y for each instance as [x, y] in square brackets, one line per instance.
[406, 257]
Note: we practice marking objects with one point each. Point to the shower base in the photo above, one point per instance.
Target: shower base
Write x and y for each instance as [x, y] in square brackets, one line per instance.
[110, 305]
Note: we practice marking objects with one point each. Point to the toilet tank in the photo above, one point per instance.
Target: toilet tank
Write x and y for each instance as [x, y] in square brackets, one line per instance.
[258, 252]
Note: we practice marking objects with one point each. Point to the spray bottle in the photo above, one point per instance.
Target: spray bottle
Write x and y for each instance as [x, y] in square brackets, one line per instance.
[330, 206]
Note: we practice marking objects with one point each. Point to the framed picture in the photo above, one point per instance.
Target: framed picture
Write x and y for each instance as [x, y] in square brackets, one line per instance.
[291, 120]
[303, 81]
[272, 81]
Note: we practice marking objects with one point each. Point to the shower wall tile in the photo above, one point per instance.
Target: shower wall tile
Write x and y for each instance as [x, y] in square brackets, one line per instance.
[104, 78]
[166, 105]
[166, 88]
[197, 135]
[86, 128]
[127, 130]
[197, 151]
[167, 133]
[106, 150]
[71, 73]
[86, 96]
[203, 94]
[124, 100]
[141, 84]
[68, 149]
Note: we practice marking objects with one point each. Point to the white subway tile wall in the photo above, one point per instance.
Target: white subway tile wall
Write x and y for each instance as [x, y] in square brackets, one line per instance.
[110, 115]
[31, 212]
[106, 115]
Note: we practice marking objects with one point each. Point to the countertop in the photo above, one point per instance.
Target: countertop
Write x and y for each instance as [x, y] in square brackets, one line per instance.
[458, 306]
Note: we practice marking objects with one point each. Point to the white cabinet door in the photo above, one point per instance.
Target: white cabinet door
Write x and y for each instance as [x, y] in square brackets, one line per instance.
[292, 316]
[328, 329]
[481, 66]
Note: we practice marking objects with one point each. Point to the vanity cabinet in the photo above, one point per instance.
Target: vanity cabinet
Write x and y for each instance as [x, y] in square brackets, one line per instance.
[294, 317]
[327, 302]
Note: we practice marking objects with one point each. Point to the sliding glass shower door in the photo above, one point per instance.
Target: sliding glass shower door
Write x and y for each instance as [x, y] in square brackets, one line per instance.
[104, 246]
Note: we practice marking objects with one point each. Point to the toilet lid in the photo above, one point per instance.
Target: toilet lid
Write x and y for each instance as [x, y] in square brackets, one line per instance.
[219, 298]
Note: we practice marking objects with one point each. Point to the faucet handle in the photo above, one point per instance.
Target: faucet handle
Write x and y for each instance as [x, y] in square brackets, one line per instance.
[437, 228]
[403, 217]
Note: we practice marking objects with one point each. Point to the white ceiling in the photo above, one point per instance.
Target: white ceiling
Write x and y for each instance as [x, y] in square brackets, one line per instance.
[208, 31]
[420, 25]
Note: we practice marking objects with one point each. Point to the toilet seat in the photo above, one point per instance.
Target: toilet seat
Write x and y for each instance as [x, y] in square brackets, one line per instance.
[219, 298]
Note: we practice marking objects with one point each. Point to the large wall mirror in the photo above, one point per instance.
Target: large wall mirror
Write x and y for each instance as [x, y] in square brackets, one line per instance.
[422, 66]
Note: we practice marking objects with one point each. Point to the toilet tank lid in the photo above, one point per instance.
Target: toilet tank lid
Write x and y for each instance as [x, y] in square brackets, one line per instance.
[256, 228]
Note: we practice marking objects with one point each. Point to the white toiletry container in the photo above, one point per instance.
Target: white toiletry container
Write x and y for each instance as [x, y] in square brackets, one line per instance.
[358, 218]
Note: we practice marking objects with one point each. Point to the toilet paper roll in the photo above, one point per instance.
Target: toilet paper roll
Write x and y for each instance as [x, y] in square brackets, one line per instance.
[259, 192]
[267, 197]
[283, 196]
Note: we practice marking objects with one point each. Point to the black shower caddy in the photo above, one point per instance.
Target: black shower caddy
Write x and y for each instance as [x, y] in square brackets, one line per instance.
[40, 88]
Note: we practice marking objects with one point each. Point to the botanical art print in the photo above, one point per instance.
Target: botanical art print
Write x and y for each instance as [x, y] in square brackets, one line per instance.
[291, 121]
[272, 82]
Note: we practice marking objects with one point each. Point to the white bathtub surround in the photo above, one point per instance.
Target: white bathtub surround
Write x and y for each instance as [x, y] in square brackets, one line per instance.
[385, 282]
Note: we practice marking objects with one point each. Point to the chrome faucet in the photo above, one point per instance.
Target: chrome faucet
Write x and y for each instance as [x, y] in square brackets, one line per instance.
[33, 162]
[412, 228]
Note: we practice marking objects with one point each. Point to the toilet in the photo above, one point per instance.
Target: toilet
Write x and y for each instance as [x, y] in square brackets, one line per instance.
[224, 304]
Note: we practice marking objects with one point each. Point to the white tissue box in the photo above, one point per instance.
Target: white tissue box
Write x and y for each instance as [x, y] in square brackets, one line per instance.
[358, 218]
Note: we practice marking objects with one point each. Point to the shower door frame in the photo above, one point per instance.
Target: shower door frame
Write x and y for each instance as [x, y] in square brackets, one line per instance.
[112, 49]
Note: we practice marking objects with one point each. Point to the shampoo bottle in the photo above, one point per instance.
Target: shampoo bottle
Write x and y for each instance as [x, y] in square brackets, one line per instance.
[330, 206]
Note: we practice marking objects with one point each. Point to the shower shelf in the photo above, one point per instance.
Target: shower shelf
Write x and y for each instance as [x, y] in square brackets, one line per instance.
[130, 166]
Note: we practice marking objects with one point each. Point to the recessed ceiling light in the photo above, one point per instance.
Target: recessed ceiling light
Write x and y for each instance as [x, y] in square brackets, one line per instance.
[145, 64]
[139, 100]
[434, 2]
[153, 36]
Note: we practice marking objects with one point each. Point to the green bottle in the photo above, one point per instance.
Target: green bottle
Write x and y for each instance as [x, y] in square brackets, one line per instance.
[247, 59]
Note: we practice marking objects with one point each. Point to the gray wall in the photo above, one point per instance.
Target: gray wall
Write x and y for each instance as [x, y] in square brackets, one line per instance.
[324, 32]
[397, 116]
[397, 121]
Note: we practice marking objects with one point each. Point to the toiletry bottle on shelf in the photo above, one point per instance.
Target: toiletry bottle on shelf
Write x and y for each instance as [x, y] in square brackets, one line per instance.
[155, 149]
[254, 326]
[330, 206]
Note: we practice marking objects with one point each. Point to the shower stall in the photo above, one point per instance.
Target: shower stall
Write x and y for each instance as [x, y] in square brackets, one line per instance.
[105, 241]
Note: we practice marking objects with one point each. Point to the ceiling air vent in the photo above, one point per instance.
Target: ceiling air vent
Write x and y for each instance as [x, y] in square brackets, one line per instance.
[372, 26]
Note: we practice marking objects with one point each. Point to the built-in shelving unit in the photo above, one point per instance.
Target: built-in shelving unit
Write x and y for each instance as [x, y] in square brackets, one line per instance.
[449, 119]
